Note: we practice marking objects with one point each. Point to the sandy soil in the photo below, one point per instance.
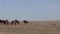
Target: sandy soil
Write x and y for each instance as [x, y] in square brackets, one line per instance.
[36, 27]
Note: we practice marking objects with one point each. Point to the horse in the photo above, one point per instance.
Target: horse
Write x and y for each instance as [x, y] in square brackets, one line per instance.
[1, 21]
[4, 22]
[15, 22]
[25, 21]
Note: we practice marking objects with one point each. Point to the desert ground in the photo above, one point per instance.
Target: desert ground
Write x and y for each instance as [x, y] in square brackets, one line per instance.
[33, 27]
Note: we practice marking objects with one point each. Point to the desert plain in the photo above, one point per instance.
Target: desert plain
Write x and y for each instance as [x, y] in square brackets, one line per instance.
[33, 27]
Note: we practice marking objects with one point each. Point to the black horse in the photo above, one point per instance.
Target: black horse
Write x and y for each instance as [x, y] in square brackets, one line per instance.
[1, 21]
[25, 21]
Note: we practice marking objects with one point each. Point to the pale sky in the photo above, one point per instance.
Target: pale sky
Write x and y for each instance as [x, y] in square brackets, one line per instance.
[30, 9]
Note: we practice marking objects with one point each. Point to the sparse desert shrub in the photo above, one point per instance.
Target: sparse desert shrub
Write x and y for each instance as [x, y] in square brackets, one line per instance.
[54, 24]
[59, 24]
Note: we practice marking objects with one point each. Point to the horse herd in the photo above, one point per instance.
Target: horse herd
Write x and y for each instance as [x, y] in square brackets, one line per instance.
[12, 22]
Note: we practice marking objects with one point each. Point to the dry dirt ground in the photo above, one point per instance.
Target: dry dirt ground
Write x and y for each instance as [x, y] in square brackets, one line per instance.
[36, 27]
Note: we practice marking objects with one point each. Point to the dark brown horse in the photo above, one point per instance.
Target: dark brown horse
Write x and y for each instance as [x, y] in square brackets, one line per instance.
[4, 22]
[15, 22]
[12, 22]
